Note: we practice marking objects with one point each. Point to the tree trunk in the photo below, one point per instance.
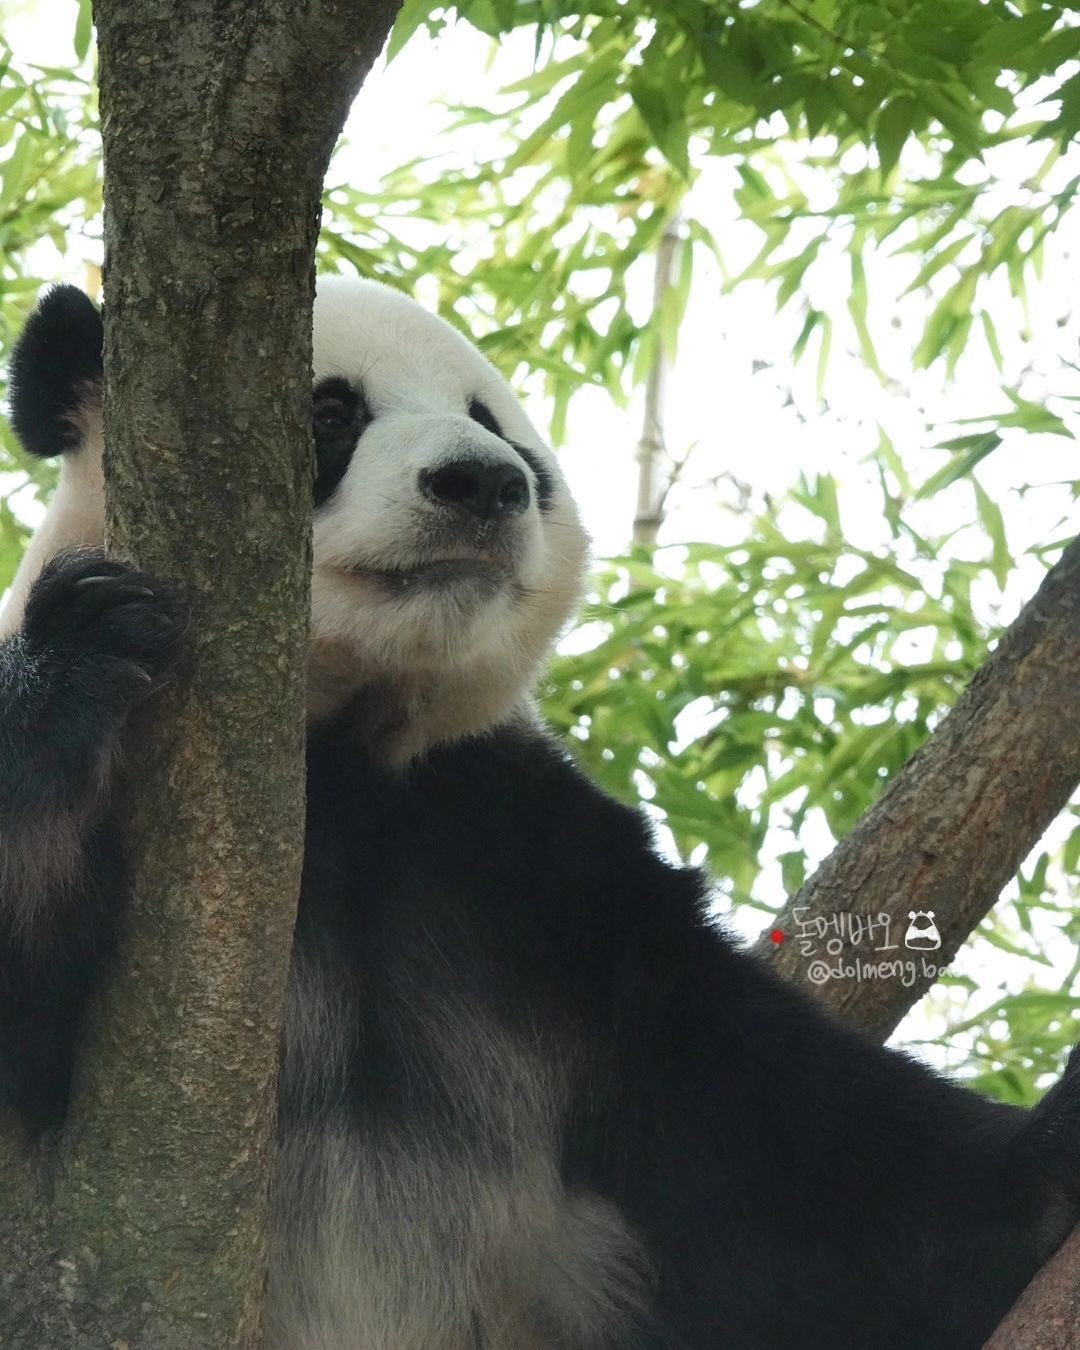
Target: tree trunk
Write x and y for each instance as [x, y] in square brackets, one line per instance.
[955, 824]
[218, 122]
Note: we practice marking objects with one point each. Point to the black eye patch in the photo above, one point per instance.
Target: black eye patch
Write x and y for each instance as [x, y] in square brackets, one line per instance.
[545, 488]
[339, 416]
[480, 412]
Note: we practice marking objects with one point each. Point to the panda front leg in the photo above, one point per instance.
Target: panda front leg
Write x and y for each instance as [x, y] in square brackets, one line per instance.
[96, 638]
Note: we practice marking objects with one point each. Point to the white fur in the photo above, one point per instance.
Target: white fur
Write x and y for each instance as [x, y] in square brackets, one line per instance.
[439, 662]
[44, 854]
[75, 518]
[403, 1239]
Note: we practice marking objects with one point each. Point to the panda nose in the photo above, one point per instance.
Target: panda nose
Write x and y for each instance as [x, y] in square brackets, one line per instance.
[487, 491]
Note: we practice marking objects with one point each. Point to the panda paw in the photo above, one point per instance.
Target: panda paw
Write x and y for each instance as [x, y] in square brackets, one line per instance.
[102, 628]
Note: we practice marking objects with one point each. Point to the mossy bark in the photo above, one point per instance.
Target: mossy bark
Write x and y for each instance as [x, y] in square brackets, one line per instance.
[145, 1226]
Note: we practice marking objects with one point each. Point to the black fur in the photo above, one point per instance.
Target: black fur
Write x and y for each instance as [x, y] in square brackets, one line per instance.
[340, 417]
[56, 364]
[795, 1185]
[96, 639]
[792, 1185]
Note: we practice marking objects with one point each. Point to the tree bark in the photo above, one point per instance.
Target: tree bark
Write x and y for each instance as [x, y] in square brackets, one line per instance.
[149, 1227]
[953, 826]
[1046, 1316]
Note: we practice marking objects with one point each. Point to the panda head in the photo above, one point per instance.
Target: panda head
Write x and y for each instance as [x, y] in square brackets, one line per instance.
[448, 552]
[447, 549]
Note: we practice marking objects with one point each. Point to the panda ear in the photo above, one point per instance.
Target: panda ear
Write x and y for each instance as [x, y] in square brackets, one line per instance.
[56, 369]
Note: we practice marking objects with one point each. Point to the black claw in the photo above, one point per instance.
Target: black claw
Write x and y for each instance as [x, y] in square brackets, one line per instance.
[98, 580]
[104, 623]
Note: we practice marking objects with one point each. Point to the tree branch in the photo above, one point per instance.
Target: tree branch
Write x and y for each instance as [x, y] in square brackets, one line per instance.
[1046, 1316]
[955, 824]
[651, 492]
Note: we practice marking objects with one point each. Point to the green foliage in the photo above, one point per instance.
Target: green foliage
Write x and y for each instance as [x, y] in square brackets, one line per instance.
[749, 689]
[1013, 1047]
[902, 109]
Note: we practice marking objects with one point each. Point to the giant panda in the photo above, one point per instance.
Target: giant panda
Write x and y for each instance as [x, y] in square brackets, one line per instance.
[531, 1096]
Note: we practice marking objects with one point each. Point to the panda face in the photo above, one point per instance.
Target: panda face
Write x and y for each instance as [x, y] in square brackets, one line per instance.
[448, 552]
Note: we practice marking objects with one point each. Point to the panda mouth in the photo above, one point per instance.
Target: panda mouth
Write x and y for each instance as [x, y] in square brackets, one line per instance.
[439, 572]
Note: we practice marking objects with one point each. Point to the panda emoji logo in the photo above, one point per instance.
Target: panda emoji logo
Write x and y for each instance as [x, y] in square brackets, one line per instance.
[922, 933]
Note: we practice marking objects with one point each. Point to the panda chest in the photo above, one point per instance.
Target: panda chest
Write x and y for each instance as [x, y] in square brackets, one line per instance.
[419, 1203]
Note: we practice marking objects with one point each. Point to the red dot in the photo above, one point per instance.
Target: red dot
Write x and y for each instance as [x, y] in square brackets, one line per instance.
[776, 936]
